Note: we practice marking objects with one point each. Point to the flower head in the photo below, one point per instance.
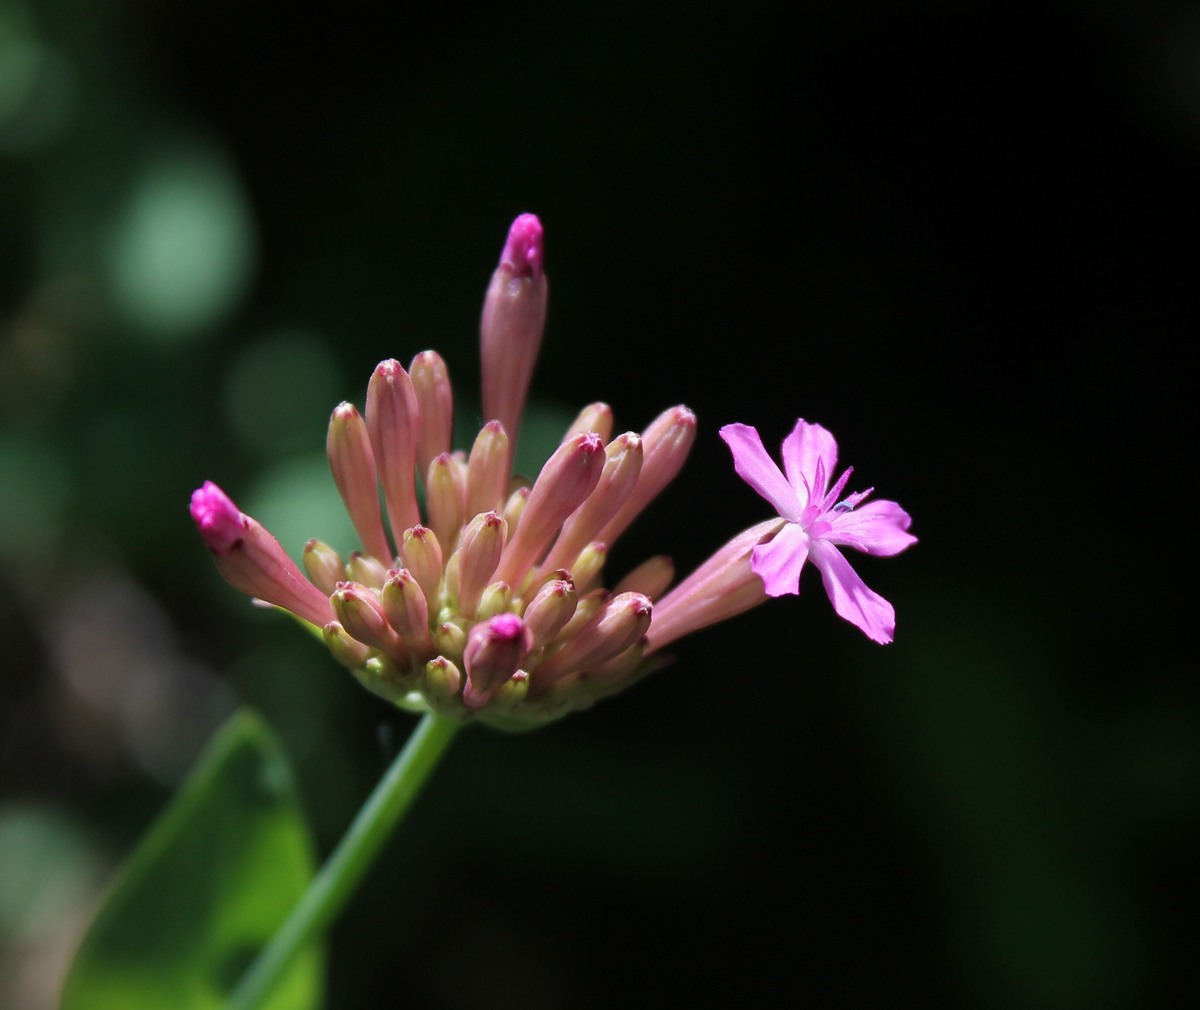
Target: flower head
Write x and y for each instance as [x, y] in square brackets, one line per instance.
[486, 600]
[817, 519]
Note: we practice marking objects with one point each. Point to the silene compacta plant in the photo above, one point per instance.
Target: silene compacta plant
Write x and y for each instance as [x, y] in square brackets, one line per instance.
[478, 596]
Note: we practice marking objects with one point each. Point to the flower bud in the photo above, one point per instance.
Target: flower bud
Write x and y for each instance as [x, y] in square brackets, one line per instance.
[665, 446]
[650, 578]
[323, 565]
[514, 507]
[251, 560]
[367, 570]
[622, 464]
[422, 556]
[352, 462]
[442, 678]
[619, 623]
[406, 610]
[445, 497]
[597, 417]
[482, 544]
[588, 565]
[450, 639]
[487, 470]
[361, 614]
[568, 477]
[514, 316]
[351, 653]
[495, 651]
[496, 599]
[392, 422]
[550, 609]
[435, 407]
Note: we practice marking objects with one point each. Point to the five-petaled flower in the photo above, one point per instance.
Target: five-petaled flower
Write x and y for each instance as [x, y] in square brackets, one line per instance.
[816, 520]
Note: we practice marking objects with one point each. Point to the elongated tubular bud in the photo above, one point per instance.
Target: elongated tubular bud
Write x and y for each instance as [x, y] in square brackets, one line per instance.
[511, 326]
[407, 611]
[622, 465]
[568, 477]
[445, 497]
[487, 470]
[323, 565]
[392, 421]
[478, 554]
[650, 578]
[597, 417]
[665, 446]
[721, 587]
[367, 570]
[620, 622]
[350, 652]
[495, 651]
[550, 609]
[422, 556]
[586, 607]
[352, 462]
[435, 407]
[361, 614]
[251, 560]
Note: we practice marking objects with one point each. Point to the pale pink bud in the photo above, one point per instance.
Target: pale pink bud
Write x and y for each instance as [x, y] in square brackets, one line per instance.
[435, 407]
[407, 611]
[446, 497]
[620, 622]
[495, 651]
[597, 417]
[361, 614]
[323, 565]
[650, 578]
[478, 554]
[622, 464]
[586, 607]
[422, 556]
[665, 446]
[392, 422]
[514, 316]
[251, 560]
[365, 569]
[351, 653]
[568, 477]
[550, 609]
[721, 587]
[348, 447]
[487, 470]
[450, 639]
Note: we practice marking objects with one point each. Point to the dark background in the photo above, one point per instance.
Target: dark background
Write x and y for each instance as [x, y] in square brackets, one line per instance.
[961, 235]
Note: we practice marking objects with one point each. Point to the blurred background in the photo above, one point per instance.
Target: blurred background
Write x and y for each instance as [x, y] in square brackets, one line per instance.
[961, 235]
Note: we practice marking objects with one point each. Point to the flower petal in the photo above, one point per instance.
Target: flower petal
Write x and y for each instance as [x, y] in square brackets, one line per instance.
[863, 608]
[802, 449]
[757, 469]
[879, 529]
[779, 561]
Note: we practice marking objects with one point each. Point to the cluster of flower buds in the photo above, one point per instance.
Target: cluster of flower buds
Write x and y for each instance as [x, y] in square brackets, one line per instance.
[490, 605]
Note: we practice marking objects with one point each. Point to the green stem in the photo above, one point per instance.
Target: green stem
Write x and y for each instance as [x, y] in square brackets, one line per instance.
[337, 879]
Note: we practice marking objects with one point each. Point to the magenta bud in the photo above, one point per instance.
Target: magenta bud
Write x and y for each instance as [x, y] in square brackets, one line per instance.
[522, 253]
[495, 651]
[220, 523]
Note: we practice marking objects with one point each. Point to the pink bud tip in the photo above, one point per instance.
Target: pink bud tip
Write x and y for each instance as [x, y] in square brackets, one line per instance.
[505, 627]
[216, 517]
[523, 250]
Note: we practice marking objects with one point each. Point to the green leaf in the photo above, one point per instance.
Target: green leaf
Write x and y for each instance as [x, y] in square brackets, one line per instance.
[206, 888]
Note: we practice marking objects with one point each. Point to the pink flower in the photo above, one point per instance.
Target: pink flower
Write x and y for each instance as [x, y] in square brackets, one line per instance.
[817, 520]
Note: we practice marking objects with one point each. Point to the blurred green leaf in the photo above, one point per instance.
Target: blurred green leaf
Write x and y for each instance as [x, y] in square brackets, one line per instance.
[205, 889]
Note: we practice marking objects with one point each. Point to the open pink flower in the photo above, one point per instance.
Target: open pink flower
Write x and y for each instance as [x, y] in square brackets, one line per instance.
[817, 520]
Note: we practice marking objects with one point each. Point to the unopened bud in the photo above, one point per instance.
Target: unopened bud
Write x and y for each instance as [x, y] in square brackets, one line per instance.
[597, 417]
[478, 554]
[406, 610]
[435, 406]
[361, 614]
[351, 653]
[495, 651]
[588, 565]
[550, 609]
[442, 678]
[650, 578]
[445, 497]
[323, 565]
[352, 462]
[392, 422]
[422, 556]
[619, 623]
[365, 569]
[487, 470]
[495, 599]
